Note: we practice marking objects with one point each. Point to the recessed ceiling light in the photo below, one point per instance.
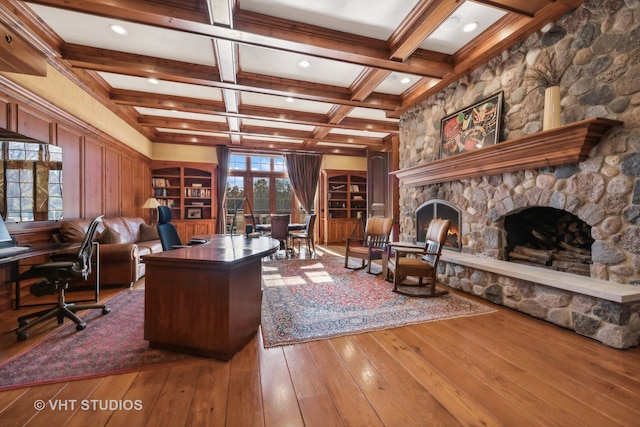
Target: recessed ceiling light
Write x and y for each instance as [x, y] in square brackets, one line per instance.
[451, 22]
[289, 99]
[118, 29]
[304, 63]
[471, 26]
[405, 80]
[153, 80]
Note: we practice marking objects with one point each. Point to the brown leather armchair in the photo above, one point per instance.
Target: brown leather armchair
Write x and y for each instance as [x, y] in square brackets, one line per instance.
[372, 245]
[422, 262]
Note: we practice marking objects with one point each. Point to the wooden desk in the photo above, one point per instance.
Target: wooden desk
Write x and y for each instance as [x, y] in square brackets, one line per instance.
[37, 250]
[206, 299]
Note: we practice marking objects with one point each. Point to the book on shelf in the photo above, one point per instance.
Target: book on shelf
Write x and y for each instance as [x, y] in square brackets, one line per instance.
[170, 203]
[160, 182]
[197, 192]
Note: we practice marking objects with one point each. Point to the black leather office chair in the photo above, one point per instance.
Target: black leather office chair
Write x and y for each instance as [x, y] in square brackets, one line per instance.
[168, 234]
[59, 274]
[167, 231]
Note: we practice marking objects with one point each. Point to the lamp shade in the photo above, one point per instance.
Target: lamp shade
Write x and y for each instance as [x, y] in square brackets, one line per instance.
[151, 203]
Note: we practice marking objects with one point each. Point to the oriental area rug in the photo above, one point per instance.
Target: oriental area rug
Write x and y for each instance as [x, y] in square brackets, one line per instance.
[111, 344]
[311, 299]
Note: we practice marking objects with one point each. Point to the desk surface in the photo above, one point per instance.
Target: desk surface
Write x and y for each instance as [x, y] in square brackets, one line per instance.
[220, 248]
[37, 250]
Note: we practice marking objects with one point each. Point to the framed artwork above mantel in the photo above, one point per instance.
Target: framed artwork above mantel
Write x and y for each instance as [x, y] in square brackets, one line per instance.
[474, 127]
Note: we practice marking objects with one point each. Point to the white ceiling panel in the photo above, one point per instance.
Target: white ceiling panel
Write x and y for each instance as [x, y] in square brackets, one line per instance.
[91, 30]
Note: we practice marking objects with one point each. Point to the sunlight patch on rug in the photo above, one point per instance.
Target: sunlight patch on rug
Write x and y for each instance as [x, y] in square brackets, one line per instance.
[307, 300]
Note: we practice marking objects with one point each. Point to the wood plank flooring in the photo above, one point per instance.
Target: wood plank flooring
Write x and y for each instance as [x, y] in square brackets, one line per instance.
[504, 368]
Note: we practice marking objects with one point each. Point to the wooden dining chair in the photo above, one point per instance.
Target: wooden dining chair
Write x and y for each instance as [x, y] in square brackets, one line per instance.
[421, 262]
[280, 230]
[306, 235]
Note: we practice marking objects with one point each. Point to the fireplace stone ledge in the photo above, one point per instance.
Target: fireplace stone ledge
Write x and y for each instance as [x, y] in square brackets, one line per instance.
[605, 311]
[602, 289]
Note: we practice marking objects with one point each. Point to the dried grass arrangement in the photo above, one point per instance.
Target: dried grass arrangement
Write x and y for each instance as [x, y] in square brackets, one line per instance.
[548, 69]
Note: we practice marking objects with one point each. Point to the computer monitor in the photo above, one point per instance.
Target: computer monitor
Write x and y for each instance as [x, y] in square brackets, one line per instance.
[4, 233]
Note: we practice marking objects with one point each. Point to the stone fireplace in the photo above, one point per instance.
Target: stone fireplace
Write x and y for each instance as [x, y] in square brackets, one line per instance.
[589, 179]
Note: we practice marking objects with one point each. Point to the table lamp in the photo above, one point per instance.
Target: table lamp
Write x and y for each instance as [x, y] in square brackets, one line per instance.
[151, 203]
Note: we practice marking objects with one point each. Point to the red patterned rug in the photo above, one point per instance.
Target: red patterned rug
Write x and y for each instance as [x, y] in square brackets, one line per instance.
[312, 299]
[111, 344]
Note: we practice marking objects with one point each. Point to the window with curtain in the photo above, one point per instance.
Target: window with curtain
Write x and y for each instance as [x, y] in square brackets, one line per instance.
[267, 184]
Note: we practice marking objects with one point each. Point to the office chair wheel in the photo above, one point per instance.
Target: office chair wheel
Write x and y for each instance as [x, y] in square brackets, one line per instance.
[22, 336]
[106, 310]
[81, 326]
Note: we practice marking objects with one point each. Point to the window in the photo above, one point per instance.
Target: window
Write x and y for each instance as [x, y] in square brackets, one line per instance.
[283, 195]
[237, 162]
[261, 195]
[267, 184]
[33, 179]
[235, 194]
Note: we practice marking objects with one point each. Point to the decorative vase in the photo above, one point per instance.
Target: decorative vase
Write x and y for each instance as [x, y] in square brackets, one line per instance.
[551, 118]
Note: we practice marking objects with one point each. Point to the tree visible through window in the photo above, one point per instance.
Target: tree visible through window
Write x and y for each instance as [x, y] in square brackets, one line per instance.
[33, 179]
[267, 185]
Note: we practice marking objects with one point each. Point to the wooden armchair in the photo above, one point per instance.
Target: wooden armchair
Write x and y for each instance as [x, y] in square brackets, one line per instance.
[372, 245]
[411, 260]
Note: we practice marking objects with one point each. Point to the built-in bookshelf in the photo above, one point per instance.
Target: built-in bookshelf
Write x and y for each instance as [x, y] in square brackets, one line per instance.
[186, 190]
[344, 203]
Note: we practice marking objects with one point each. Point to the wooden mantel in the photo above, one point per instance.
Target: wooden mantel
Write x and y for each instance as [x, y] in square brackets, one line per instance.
[563, 145]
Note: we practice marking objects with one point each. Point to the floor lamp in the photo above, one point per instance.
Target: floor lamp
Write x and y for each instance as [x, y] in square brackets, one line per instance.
[151, 203]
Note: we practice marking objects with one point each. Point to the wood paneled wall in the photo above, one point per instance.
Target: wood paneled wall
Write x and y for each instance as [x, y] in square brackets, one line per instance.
[100, 174]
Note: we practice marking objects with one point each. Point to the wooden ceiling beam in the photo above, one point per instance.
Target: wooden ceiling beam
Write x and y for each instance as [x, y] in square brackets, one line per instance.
[424, 19]
[313, 92]
[166, 102]
[192, 105]
[366, 82]
[91, 58]
[94, 59]
[187, 125]
[265, 32]
[527, 8]
[346, 47]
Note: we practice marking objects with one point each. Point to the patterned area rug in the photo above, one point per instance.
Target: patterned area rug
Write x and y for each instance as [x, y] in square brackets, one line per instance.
[112, 343]
[307, 300]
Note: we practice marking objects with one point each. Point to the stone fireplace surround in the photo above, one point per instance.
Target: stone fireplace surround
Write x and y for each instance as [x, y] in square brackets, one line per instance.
[602, 187]
[595, 307]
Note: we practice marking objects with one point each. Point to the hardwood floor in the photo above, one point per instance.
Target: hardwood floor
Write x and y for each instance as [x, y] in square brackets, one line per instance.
[503, 368]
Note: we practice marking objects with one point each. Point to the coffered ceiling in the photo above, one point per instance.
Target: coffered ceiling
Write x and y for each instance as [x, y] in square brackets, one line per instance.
[326, 75]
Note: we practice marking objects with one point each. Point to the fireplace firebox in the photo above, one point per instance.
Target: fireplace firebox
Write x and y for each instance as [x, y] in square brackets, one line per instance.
[550, 238]
[440, 209]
